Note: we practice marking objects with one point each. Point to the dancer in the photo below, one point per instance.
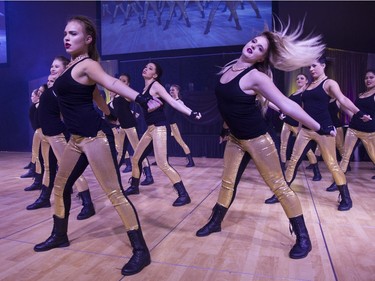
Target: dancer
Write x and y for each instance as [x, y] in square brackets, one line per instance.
[240, 82]
[55, 138]
[171, 113]
[232, 5]
[34, 97]
[91, 140]
[365, 131]
[156, 134]
[38, 171]
[291, 126]
[127, 129]
[181, 6]
[315, 100]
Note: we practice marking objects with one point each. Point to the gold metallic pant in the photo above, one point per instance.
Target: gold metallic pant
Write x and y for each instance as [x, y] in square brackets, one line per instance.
[131, 134]
[58, 144]
[339, 142]
[284, 137]
[264, 154]
[327, 147]
[368, 140]
[103, 164]
[176, 134]
[158, 136]
[35, 149]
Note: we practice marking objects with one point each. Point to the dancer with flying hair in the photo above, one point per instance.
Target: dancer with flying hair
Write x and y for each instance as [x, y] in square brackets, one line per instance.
[239, 84]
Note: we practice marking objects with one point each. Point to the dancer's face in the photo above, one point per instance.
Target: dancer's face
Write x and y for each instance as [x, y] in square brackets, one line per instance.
[301, 81]
[317, 69]
[370, 80]
[124, 79]
[256, 49]
[149, 71]
[76, 41]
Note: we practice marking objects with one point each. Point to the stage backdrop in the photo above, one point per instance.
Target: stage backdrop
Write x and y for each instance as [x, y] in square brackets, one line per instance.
[148, 26]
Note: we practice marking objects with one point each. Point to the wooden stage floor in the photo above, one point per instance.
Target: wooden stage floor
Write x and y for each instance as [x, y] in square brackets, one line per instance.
[253, 244]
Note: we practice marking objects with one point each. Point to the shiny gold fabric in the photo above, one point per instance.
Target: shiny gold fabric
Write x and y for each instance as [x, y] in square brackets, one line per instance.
[99, 156]
[264, 154]
[158, 136]
[340, 140]
[368, 141]
[284, 138]
[58, 144]
[37, 138]
[327, 147]
[131, 134]
[177, 135]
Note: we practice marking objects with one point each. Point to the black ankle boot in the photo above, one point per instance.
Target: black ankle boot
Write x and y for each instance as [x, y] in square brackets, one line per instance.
[303, 243]
[346, 202]
[214, 224]
[58, 238]
[183, 196]
[30, 173]
[190, 160]
[128, 165]
[272, 200]
[28, 166]
[133, 188]
[317, 175]
[43, 200]
[37, 184]
[141, 255]
[88, 209]
[149, 179]
[332, 187]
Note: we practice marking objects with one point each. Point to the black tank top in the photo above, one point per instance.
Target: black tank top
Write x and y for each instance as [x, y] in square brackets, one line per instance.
[315, 103]
[297, 99]
[156, 117]
[366, 105]
[49, 114]
[123, 112]
[239, 110]
[76, 105]
[334, 111]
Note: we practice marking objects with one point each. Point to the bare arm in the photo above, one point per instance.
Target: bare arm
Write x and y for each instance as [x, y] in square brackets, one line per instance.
[261, 83]
[100, 102]
[333, 89]
[159, 90]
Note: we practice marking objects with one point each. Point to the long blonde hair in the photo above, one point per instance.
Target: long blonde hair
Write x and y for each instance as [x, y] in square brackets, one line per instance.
[287, 51]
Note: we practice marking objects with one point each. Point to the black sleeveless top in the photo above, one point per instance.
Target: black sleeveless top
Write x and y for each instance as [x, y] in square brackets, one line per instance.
[239, 110]
[315, 103]
[121, 109]
[297, 99]
[49, 114]
[33, 116]
[76, 105]
[156, 117]
[334, 111]
[366, 105]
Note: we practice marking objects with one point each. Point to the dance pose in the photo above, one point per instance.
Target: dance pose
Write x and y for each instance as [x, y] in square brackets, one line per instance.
[155, 136]
[365, 131]
[315, 100]
[37, 170]
[291, 126]
[91, 140]
[174, 91]
[55, 137]
[127, 129]
[34, 97]
[240, 82]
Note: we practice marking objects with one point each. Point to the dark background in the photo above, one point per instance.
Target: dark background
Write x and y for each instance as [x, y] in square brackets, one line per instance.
[35, 33]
